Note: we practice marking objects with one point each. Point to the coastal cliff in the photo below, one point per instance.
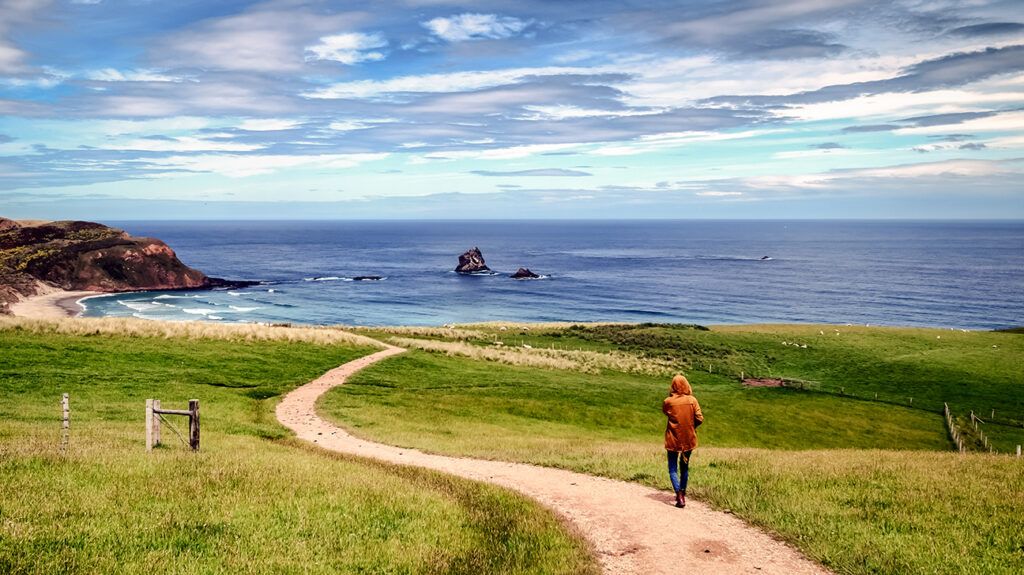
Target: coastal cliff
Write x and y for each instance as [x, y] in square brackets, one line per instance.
[74, 255]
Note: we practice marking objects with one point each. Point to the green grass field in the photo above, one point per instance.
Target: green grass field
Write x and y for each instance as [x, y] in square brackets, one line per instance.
[252, 500]
[863, 486]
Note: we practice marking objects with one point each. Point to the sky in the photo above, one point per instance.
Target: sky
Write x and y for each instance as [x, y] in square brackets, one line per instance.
[438, 109]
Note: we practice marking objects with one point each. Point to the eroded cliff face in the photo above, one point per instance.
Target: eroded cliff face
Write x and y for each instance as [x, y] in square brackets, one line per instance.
[75, 255]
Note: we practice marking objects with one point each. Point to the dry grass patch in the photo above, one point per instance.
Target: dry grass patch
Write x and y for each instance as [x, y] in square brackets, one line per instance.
[131, 327]
[548, 358]
[454, 333]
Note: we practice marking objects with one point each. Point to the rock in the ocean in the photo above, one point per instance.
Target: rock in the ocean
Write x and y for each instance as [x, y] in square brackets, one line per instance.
[472, 262]
[524, 274]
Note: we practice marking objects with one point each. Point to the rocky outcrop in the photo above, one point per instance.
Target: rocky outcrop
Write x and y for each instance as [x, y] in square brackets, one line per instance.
[74, 255]
[524, 274]
[472, 262]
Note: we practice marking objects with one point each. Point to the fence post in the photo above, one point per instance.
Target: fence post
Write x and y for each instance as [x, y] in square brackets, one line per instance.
[156, 423]
[193, 424]
[149, 425]
[911, 401]
[65, 426]
[1018, 451]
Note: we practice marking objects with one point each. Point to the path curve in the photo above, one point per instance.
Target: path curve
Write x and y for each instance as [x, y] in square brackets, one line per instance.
[634, 530]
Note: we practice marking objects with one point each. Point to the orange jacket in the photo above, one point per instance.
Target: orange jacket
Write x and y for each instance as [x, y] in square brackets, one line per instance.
[684, 416]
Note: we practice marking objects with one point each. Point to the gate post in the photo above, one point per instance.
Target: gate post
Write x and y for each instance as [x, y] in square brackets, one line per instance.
[149, 425]
[156, 423]
[193, 424]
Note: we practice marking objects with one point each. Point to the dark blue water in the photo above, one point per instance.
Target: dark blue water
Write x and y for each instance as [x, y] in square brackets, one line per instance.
[955, 274]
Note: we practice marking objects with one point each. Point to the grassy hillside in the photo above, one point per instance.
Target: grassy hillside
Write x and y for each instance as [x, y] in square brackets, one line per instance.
[252, 501]
[980, 371]
[864, 486]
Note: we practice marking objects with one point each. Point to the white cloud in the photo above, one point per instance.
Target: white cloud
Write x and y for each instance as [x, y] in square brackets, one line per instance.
[266, 37]
[903, 172]
[137, 75]
[348, 126]
[889, 105]
[510, 153]
[655, 142]
[12, 15]
[1005, 122]
[437, 83]
[236, 166]
[349, 49]
[819, 153]
[362, 124]
[471, 26]
[157, 126]
[267, 124]
[562, 112]
[10, 57]
[44, 82]
[1007, 142]
[181, 144]
[719, 194]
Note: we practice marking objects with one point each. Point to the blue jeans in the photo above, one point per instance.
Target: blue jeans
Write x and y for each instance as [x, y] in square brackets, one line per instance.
[678, 479]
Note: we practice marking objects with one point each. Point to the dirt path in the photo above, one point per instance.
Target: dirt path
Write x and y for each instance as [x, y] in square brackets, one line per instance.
[634, 529]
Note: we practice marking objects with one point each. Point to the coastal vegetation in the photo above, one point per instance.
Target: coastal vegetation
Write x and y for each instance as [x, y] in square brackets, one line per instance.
[839, 460]
[252, 500]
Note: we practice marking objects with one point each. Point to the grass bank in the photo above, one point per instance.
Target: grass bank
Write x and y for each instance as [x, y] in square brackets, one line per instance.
[863, 486]
[252, 501]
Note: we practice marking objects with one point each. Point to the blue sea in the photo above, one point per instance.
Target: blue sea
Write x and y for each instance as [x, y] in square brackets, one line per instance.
[948, 274]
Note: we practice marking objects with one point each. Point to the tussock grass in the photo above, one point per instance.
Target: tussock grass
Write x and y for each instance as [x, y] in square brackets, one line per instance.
[252, 500]
[549, 358]
[131, 327]
[449, 333]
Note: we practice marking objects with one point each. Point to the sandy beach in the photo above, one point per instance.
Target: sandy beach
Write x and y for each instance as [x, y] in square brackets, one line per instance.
[51, 305]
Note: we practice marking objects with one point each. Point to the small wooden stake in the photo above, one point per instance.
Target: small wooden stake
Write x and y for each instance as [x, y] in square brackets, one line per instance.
[149, 425]
[1018, 451]
[193, 424]
[65, 426]
[156, 423]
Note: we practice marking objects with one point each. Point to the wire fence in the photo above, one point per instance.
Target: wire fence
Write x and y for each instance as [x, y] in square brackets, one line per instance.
[966, 436]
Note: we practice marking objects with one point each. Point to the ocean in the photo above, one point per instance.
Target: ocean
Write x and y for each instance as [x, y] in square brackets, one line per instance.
[946, 274]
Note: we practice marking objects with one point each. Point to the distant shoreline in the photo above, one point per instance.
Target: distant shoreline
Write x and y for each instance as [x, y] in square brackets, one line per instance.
[55, 304]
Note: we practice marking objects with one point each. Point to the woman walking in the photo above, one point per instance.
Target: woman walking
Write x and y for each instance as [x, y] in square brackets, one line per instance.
[684, 416]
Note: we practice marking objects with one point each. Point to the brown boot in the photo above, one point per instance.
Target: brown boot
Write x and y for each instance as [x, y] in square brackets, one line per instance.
[680, 499]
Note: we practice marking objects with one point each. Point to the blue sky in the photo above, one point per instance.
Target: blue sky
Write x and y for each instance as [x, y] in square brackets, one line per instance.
[142, 109]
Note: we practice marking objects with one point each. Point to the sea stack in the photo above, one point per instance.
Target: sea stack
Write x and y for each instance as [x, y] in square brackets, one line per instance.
[524, 274]
[472, 262]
